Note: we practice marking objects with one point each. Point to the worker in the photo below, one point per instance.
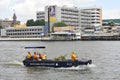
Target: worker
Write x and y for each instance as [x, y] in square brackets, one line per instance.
[73, 56]
[35, 56]
[40, 56]
[44, 57]
[29, 56]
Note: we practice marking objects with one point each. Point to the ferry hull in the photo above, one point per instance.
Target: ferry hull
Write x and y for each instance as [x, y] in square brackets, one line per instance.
[55, 64]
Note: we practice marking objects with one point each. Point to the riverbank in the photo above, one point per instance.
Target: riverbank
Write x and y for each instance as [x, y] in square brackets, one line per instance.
[19, 39]
[35, 39]
[85, 38]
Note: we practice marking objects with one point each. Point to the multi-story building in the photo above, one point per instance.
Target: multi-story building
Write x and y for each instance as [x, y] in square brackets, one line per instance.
[40, 15]
[90, 17]
[72, 16]
[5, 23]
[28, 32]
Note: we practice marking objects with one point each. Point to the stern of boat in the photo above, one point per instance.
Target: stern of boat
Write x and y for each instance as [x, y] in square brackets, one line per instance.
[90, 61]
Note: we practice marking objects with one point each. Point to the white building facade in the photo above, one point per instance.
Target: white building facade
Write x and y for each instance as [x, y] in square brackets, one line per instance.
[28, 32]
[73, 16]
[90, 17]
[40, 15]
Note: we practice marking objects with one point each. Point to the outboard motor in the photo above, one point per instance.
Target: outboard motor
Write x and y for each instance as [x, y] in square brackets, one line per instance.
[90, 61]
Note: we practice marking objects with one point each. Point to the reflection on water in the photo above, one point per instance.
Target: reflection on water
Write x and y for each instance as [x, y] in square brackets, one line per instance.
[57, 74]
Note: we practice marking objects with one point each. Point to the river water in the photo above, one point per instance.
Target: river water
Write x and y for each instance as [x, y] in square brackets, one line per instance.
[104, 54]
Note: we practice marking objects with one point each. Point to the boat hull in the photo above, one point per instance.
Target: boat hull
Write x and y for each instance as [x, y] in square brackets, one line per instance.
[55, 64]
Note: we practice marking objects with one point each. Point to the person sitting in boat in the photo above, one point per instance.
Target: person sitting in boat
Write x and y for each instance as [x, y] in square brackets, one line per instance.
[29, 56]
[73, 56]
[35, 56]
[42, 56]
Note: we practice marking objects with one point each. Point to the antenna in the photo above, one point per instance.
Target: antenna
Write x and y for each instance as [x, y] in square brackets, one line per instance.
[14, 10]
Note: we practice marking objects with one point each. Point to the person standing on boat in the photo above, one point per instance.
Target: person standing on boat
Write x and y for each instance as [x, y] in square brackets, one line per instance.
[35, 56]
[73, 56]
[29, 56]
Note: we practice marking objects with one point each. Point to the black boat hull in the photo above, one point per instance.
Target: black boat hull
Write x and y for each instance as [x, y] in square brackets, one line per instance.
[55, 64]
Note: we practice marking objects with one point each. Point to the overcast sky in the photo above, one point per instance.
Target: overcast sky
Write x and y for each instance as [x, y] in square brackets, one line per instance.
[26, 9]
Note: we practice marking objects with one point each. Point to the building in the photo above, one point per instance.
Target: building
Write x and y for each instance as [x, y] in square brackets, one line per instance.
[9, 23]
[40, 15]
[66, 33]
[28, 32]
[72, 16]
[15, 22]
[90, 18]
[5, 23]
[64, 29]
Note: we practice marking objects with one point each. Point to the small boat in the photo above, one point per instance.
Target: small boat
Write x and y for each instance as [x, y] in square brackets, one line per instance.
[54, 63]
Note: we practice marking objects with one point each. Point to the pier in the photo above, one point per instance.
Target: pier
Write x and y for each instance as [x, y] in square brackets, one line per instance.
[106, 36]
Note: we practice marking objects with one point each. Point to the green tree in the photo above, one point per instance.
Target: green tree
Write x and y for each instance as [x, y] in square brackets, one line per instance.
[39, 23]
[0, 27]
[42, 22]
[111, 23]
[59, 24]
[30, 22]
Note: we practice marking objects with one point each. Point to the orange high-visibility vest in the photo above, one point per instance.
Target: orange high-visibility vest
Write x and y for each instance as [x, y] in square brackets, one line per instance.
[35, 56]
[40, 56]
[73, 56]
[29, 56]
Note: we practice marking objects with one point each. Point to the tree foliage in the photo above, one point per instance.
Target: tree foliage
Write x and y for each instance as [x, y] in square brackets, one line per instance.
[59, 24]
[111, 23]
[39, 23]
[0, 26]
[31, 22]
[113, 20]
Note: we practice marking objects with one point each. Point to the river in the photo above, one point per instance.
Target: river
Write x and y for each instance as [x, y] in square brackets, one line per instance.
[104, 54]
